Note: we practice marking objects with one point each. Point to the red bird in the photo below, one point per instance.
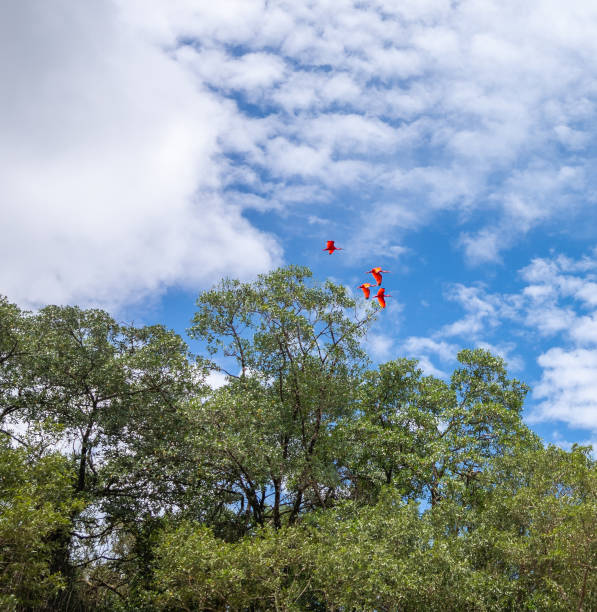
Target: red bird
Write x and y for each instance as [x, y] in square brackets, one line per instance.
[381, 295]
[366, 290]
[331, 247]
[377, 274]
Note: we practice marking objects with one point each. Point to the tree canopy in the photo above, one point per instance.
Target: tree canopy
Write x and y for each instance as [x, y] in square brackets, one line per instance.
[311, 479]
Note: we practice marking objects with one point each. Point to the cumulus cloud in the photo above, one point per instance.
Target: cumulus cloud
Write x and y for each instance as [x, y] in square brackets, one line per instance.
[505, 350]
[108, 162]
[380, 346]
[568, 387]
[135, 134]
[562, 291]
[426, 350]
[555, 300]
[483, 247]
[485, 311]
[433, 349]
[216, 379]
[428, 367]
[418, 345]
[449, 105]
[556, 303]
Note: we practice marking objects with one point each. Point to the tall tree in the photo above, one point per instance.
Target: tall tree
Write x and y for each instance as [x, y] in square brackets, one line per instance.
[113, 391]
[36, 501]
[432, 438]
[293, 357]
[538, 526]
[16, 389]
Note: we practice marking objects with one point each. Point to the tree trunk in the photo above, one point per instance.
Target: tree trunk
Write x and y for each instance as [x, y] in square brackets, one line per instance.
[276, 511]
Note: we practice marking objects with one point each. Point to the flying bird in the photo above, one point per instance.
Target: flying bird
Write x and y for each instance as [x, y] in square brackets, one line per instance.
[366, 290]
[381, 295]
[331, 247]
[377, 274]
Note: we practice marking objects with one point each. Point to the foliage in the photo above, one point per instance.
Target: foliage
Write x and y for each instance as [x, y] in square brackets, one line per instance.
[309, 480]
[36, 501]
[540, 521]
[112, 393]
[267, 441]
[430, 437]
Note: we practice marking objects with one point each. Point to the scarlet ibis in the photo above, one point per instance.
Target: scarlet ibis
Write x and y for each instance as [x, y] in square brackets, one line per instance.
[331, 247]
[366, 290]
[381, 295]
[377, 274]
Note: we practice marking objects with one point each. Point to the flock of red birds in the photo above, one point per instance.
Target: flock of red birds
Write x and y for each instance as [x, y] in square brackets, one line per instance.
[381, 294]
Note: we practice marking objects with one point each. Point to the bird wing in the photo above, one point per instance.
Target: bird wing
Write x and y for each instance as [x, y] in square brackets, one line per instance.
[376, 276]
[330, 245]
[381, 301]
[367, 292]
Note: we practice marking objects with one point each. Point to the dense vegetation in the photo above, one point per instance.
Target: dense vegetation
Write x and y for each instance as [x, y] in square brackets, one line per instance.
[308, 481]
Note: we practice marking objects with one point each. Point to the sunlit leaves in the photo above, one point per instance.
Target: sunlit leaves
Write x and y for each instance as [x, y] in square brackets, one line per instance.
[303, 482]
[268, 437]
[36, 501]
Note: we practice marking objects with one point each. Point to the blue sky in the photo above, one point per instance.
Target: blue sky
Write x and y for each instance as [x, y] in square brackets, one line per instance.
[150, 148]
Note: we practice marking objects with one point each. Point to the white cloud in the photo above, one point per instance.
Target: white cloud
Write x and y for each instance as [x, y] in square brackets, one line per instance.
[568, 387]
[484, 311]
[352, 134]
[549, 320]
[145, 124]
[110, 184]
[216, 379]
[504, 350]
[584, 330]
[540, 271]
[417, 345]
[560, 287]
[553, 304]
[380, 346]
[483, 247]
[573, 139]
[584, 264]
[424, 349]
[429, 369]
[587, 292]
[471, 88]
[540, 293]
[250, 73]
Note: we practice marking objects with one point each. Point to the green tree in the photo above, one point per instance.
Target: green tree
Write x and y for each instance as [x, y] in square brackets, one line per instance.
[294, 486]
[538, 527]
[16, 390]
[266, 440]
[113, 391]
[431, 438]
[267, 571]
[36, 501]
